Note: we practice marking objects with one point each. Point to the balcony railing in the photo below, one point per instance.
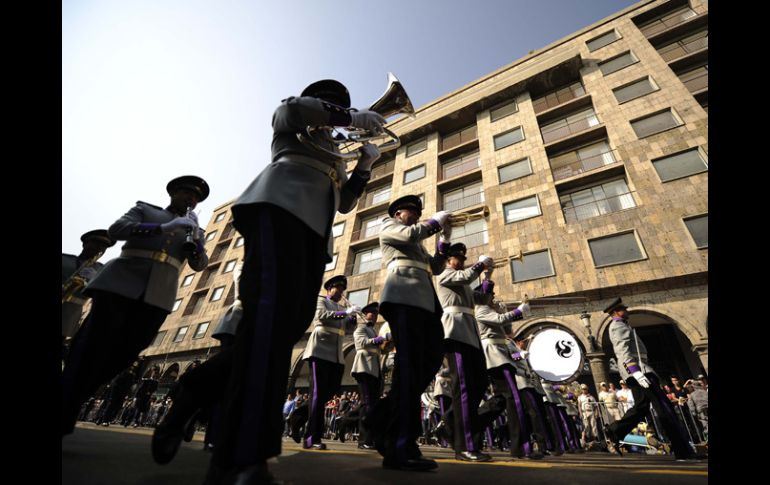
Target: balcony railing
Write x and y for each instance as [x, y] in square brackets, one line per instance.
[462, 203]
[558, 97]
[584, 164]
[615, 203]
[473, 239]
[553, 133]
[383, 169]
[374, 198]
[697, 80]
[450, 169]
[366, 233]
[458, 138]
[683, 47]
[672, 20]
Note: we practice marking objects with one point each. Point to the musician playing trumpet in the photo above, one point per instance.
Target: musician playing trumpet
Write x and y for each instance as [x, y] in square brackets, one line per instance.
[366, 367]
[324, 355]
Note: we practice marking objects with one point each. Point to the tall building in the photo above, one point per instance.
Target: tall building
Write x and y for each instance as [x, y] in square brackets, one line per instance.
[592, 157]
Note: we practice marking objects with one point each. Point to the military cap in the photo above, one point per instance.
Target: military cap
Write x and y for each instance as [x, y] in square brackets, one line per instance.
[329, 90]
[615, 305]
[406, 202]
[335, 280]
[98, 235]
[372, 307]
[189, 182]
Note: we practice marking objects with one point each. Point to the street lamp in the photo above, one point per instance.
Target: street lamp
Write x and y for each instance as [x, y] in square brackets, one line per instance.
[586, 319]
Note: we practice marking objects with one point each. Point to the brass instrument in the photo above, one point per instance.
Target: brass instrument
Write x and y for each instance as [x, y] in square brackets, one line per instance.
[505, 262]
[189, 245]
[393, 101]
[463, 218]
[75, 282]
[345, 302]
[547, 299]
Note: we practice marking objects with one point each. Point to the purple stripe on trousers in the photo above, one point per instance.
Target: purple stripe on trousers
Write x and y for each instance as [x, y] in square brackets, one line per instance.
[466, 414]
[402, 365]
[557, 428]
[523, 424]
[533, 401]
[255, 394]
[313, 405]
[570, 438]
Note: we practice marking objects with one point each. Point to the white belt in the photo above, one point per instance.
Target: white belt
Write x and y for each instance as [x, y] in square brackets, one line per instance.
[459, 309]
[158, 256]
[491, 340]
[338, 331]
[325, 168]
[409, 263]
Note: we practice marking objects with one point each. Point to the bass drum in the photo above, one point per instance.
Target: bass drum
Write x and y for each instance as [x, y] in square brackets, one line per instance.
[387, 345]
[555, 355]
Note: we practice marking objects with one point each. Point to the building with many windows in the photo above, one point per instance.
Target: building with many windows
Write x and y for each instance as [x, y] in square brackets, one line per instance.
[592, 156]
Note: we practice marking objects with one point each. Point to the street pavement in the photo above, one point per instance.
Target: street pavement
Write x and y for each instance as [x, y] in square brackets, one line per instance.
[117, 455]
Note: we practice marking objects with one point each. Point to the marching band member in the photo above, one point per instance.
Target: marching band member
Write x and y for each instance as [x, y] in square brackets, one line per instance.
[463, 350]
[366, 368]
[526, 383]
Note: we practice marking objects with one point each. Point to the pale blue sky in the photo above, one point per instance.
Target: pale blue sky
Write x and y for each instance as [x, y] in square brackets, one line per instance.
[154, 89]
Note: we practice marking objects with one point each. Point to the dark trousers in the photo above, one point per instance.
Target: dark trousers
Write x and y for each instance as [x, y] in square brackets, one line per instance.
[369, 390]
[282, 271]
[504, 382]
[469, 378]
[536, 416]
[654, 395]
[557, 436]
[113, 334]
[418, 335]
[325, 380]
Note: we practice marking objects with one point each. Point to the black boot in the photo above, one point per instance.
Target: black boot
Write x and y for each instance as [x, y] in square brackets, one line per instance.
[177, 425]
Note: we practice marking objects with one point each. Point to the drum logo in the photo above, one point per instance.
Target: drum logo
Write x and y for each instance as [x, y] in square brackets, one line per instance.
[565, 348]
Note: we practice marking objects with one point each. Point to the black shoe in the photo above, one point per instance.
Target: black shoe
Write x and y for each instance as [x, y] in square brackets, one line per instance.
[613, 443]
[341, 437]
[412, 464]
[189, 429]
[165, 442]
[472, 456]
[315, 446]
[365, 446]
[249, 475]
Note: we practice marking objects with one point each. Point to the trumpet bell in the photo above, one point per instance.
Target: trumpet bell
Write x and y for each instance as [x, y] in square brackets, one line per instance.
[462, 218]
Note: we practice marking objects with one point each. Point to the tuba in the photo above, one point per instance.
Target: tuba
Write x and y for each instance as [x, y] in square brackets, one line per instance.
[393, 101]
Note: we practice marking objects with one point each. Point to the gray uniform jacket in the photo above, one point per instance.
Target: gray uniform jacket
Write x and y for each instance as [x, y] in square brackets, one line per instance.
[367, 359]
[142, 278]
[550, 395]
[325, 341]
[72, 310]
[304, 181]
[456, 297]
[406, 285]
[443, 385]
[524, 376]
[492, 331]
[624, 340]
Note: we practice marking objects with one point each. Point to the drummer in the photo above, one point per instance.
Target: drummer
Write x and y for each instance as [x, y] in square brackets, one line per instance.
[527, 381]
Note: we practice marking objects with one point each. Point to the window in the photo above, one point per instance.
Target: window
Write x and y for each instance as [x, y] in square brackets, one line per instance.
[514, 170]
[338, 229]
[521, 209]
[187, 281]
[200, 331]
[239, 242]
[655, 123]
[217, 294]
[680, 165]
[195, 303]
[602, 40]
[180, 333]
[696, 80]
[617, 63]
[594, 201]
[220, 217]
[371, 227]
[229, 266]
[471, 234]
[210, 236]
[464, 197]
[159, 338]
[635, 89]
[381, 195]
[532, 266]
[574, 123]
[615, 249]
[503, 111]
[666, 20]
[460, 165]
[414, 174]
[459, 137]
[508, 138]
[367, 260]
[359, 297]
[584, 159]
[333, 264]
[417, 147]
[699, 230]
[177, 303]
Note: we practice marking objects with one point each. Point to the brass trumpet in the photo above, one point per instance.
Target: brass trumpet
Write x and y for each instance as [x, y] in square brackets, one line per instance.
[463, 218]
[505, 262]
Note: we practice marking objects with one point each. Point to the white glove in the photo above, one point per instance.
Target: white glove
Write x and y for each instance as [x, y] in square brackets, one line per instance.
[446, 233]
[524, 309]
[487, 261]
[369, 154]
[524, 354]
[87, 273]
[178, 223]
[441, 217]
[368, 120]
[353, 309]
[641, 379]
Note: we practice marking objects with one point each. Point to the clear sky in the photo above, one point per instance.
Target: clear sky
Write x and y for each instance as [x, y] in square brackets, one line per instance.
[155, 89]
